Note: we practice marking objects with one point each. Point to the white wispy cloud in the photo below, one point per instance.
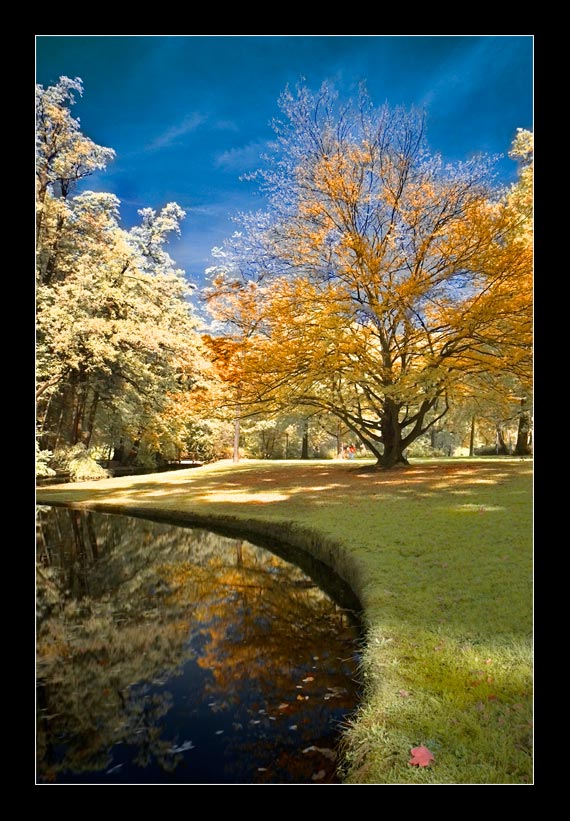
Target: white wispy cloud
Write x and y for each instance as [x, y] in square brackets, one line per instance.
[243, 158]
[188, 124]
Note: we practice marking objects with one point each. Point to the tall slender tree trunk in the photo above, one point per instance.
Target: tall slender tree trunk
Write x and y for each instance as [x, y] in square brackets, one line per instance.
[78, 418]
[501, 448]
[472, 438]
[88, 427]
[237, 426]
[236, 438]
[522, 447]
[92, 536]
[305, 442]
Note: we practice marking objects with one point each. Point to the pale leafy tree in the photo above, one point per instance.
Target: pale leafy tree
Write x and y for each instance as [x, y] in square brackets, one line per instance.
[378, 279]
[117, 341]
[521, 200]
[64, 154]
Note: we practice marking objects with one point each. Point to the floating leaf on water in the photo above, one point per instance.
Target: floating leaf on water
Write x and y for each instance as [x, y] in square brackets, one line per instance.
[319, 775]
[293, 727]
[309, 678]
[336, 692]
[262, 769]
[186, 745]
[219, 732]
[272, 718]
[299, 686]
[326, 751]
[300, 698]
[284, 705]
[114, 769]
[255, 721]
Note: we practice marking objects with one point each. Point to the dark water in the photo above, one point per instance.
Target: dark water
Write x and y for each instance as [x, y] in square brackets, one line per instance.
[177, 655]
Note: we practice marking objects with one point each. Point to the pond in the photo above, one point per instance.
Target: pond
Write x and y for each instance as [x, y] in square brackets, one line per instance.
[169, 654]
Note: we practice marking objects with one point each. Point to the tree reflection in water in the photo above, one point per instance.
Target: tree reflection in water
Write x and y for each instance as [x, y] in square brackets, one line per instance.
[168, 654]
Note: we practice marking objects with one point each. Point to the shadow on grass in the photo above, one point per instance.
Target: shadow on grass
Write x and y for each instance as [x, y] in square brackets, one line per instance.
[247, 484]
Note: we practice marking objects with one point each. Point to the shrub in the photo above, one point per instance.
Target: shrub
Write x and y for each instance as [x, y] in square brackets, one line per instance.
[81, 464]
[42, 459]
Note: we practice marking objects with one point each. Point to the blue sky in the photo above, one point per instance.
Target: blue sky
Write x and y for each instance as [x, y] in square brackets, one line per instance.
[188, 115]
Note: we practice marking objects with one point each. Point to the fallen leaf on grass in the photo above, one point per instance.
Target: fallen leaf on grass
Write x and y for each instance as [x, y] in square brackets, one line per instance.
[404, 693]
[421, 756]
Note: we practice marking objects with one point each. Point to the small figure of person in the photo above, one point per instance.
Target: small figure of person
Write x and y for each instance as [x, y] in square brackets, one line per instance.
[351, 451]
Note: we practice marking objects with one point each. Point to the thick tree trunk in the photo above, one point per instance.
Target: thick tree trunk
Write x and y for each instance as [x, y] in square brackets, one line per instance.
[432, 436]
[391, 437]
[522, 447]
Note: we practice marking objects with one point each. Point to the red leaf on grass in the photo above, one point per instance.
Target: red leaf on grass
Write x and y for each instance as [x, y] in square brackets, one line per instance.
[421, 756]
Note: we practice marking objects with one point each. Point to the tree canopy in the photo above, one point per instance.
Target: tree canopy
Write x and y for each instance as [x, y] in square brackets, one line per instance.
[117, 340]
[380, 280]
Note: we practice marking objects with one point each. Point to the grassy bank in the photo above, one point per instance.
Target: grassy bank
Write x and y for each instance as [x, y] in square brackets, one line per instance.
[440, 555]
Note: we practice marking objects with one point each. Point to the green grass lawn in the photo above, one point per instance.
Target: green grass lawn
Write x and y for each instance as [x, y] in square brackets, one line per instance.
[440, 555]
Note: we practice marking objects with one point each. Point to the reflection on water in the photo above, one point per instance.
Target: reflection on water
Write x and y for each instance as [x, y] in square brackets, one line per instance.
[175, 655]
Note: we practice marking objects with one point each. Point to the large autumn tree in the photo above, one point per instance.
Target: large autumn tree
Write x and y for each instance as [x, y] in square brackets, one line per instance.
[378, 279]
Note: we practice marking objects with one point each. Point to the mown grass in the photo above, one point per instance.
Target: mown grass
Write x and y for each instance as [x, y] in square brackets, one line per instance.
[440, 555]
